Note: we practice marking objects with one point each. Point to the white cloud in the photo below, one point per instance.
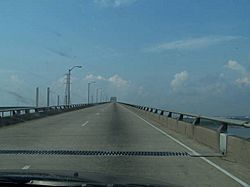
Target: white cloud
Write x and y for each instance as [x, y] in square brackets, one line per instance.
[116, 85]
[115, 3]
[244, 78]
[179, 79]
[94, 77]
[118, 81]
[243, 81]
[234, 65]
[192, 43]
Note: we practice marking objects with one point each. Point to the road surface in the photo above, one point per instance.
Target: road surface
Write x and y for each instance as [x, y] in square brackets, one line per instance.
[110, 127]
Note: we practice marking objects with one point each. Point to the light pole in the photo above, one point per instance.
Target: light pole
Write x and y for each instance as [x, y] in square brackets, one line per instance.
[89, 88]
[68, 83]
[37, 96]
[48, 94]
[101, 96]
[97, 90]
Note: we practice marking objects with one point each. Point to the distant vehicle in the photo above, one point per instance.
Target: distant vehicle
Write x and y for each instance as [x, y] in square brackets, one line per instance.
[113, 99]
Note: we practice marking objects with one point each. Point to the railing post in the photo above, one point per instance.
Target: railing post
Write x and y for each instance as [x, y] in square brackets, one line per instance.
[223, 128]
[197, 121]
[223, 143]
[27, 111]
[180, 118]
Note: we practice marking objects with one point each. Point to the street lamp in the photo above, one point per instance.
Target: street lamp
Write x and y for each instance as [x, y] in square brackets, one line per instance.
[97, 90]
[89, 88]
[101, 99]
[68, 82]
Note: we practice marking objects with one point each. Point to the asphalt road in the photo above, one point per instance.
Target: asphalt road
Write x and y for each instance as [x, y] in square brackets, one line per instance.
[109, 127]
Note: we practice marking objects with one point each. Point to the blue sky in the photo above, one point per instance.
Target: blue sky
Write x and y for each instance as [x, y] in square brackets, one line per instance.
[185, 55]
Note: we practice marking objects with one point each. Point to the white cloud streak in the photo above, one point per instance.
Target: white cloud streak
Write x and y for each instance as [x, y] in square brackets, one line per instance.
[244, 78]
[94, 77]
[116, 80]
[234, 65]
[192, 43]
[115, 3]
[179, 79]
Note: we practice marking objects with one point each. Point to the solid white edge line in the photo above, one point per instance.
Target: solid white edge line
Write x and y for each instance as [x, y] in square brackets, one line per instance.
[26, 167]
[85, 123]
[194, 152]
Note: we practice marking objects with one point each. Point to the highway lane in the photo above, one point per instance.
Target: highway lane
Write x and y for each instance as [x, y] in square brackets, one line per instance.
[105, 127]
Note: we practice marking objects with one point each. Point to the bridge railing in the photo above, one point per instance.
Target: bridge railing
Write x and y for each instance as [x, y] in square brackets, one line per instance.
[192, 126]
[194, 118]
[15, 111]
[9, 115]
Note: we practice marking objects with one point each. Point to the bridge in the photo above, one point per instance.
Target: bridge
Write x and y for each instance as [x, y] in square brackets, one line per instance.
[126, 140]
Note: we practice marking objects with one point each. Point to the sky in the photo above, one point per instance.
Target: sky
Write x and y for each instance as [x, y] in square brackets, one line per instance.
[182, 55]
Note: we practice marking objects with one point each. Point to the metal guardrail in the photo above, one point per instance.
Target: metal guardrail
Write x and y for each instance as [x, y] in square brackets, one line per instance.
[18, 111]
[196, 119]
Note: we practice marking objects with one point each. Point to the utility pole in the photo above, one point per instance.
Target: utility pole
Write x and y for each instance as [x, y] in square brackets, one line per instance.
[48, 92]
[69, 87]
[97, 95]
[92, 99]
[58, 100]
[67, 90]
[37, 96]
[101, 96]
[89, 90]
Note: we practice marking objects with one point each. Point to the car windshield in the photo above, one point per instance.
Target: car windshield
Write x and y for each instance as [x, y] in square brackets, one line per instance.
[125, 92]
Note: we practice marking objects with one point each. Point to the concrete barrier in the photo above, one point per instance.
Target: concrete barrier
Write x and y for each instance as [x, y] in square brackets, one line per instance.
[238, 150]
[181, 127]
[190, 130]
[207, 137]
[172, 124]
[17, 115]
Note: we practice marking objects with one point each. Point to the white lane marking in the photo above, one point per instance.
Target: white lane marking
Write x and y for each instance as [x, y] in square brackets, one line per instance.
[85, 123]
[97, 113]
[194, 152]
[26, 167]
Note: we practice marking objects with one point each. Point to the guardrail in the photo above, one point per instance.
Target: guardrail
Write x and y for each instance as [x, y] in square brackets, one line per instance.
[10, 115]
[194, 118]
[192, 126]
[15, 111]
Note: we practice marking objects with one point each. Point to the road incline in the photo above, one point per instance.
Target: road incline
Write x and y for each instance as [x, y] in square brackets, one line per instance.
[107, 127]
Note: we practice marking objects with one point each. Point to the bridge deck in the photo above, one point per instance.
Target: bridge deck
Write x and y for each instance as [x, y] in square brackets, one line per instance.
[109, 127]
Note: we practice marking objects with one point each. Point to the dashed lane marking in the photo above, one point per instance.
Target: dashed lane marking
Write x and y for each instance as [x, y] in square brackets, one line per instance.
[26, 167]
[85, 123]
